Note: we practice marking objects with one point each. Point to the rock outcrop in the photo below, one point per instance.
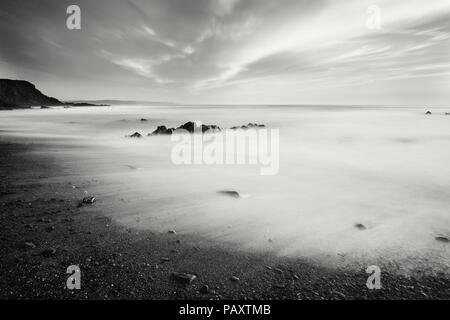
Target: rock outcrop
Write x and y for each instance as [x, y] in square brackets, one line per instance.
[192, 127]
[23, 94]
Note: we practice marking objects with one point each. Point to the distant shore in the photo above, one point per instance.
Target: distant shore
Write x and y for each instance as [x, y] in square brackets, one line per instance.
[43, 231]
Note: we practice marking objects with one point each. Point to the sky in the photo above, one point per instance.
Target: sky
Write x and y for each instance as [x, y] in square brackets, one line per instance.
[232, 51]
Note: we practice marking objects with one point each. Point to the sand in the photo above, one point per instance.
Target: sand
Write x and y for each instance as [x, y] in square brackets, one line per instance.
[39, 205]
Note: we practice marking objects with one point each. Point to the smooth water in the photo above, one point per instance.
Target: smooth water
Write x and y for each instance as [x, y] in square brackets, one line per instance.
[387, 168]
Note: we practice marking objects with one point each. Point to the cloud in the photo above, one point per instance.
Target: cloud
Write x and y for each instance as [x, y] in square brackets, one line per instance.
[202, 50]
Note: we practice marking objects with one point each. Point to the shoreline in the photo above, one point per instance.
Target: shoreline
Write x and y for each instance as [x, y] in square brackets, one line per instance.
[122, 263]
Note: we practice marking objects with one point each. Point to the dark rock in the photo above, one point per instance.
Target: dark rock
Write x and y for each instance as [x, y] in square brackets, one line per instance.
[172, 231]
[162, 130]
[204, 289]
[23, 94]
[428, 112]
[230, 193]
[136, 135]
[442, 239]
[184, 277]
[88, 200]
[360, 226]
[143, 120]
[45, 107]
[192, 127]
[250, 125]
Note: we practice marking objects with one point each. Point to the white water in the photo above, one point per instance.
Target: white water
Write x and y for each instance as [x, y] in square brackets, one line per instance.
[387, 168]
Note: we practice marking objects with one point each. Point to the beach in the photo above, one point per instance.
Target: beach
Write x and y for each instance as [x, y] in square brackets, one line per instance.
[151, 220]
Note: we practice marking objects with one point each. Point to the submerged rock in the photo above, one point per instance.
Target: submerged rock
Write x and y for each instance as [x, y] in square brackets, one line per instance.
[230, 193]
[136, 135]
[442, 239]
[184, 277]
[360, 226]
[248, 126]
[162, 130]
[192, 127]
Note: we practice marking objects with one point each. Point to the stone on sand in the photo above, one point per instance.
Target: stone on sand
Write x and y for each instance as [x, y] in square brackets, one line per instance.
[184, 277]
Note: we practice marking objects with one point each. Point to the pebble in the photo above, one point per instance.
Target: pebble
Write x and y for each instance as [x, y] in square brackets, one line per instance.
[29, 245]
[184, 277]
[204, 289]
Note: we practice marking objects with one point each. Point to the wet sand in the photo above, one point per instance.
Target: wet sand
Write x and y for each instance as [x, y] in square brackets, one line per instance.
[117, 262]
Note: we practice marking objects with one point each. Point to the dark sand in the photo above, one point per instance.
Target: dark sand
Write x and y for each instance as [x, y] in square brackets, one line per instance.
[120, 263]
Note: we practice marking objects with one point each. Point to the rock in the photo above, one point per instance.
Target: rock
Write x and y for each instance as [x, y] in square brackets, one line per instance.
[172, 231]
[442, 239]
[89, 200]
[192, 127]
[428, 113]
[184, 277]
[143, 120]
[360, 226]
[204, 289]
[230, 193]
[136, 135]
[447, 113]
[248, 126]
[162, 130]
[45, 107]
[28, 245]
[48, 252]
[235, 279]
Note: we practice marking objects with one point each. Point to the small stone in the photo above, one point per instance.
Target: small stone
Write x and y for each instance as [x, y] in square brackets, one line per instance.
[235, 279]
[28, 245]
[184, 277]
[428, 113]
[172, 232]
[204, 289]
[233, 194]
[89, 200]
[360, 226]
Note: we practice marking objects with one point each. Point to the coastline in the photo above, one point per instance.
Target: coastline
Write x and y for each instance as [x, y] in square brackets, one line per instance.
[121, 263]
